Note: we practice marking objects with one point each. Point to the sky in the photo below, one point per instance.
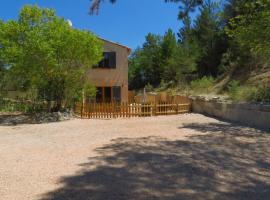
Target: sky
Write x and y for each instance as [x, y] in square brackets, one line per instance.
[126, 22]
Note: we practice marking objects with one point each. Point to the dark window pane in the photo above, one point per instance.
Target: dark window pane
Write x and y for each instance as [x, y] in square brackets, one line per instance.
[108, 61]
[117, 94]
[108, 94]
[112, 60]
[99, 95]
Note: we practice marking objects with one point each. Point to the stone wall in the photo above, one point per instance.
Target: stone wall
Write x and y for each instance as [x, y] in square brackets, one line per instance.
[255, 115]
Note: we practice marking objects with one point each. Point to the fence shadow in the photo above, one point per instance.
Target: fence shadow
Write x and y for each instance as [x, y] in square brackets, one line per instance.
[228, 163]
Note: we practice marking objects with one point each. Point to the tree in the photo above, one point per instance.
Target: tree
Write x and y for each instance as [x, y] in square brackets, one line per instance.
[250, 29]
[136, 76]
[189, 49]
[185, 5]
[168, 54]
[161, 58]
[151, 60]
[145, 63]
[232, 9]
[45, 53]
[2, 76]
[211, 39]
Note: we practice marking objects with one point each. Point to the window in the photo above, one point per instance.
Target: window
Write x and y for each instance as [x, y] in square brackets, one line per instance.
[108, 61]
[117, 93]
[99, 95]
[108, 94]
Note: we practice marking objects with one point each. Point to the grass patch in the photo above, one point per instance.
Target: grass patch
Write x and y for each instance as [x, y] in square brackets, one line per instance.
[203, 85]
[248, 93]
[10, 106]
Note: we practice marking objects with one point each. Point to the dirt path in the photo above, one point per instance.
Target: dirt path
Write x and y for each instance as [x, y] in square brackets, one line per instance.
[172, 157]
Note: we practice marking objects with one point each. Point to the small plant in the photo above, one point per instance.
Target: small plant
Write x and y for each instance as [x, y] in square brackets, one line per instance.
[149, 88]
[163, 86]
[234, 90]
[202, 85]
[261, 94]
[248, 93]
[8, 105]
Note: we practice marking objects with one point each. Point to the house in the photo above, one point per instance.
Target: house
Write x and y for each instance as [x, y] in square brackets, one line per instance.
[110, 76]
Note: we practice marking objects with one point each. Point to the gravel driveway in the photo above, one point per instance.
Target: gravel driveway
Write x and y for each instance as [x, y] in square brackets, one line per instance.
[180, 157]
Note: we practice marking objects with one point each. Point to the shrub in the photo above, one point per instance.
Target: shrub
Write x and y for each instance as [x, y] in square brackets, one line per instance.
[234, 90]
[163, 86]
[7, 105]
[248, 93]
[149, 88]
[242, 94]
[261, 94]
[202, 85]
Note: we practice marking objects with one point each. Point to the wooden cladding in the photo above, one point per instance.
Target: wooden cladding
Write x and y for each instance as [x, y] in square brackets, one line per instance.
[125, 110]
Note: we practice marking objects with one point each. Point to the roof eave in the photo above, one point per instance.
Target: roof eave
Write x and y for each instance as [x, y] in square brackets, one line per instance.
[128, 49]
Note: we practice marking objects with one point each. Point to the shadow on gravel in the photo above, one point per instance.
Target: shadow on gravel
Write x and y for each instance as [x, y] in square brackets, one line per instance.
[16, 119]
[227, 162]
[37, 118]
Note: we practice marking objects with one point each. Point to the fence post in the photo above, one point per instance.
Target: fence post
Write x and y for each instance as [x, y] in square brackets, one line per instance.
[94, 110]
[88, 110]
[82, 110]
[107, 110]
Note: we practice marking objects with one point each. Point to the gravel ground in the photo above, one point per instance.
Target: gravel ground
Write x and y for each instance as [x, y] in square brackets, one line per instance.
[187, 156]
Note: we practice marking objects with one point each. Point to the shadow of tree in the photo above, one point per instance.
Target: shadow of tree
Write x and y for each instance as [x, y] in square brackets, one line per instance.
[35, 118]
[14, 119]
[229, 162]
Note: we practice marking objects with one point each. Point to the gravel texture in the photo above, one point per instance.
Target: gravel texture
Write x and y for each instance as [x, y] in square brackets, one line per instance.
[187, 156]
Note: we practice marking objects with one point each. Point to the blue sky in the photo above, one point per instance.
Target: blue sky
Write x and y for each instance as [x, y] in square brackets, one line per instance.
[126, 22]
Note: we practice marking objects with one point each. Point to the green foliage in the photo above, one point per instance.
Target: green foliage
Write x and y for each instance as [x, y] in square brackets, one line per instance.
[248, 93]
[203, 85]
[89, 90]
[145, 64]
[161, 58]
[236, 93]
[233, 86]
[211, 39]
[260, 94]
[7, 105]
[198, 51]
[149, 88]
[186, 6]
[250, 28]
[242, 94]
[45, 53]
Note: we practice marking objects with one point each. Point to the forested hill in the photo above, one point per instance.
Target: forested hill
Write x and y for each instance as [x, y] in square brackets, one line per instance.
[225, 49]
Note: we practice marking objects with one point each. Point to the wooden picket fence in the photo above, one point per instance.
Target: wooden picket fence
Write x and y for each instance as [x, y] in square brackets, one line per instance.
[126, 110]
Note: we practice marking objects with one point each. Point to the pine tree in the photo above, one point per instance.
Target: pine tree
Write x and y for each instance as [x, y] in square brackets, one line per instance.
[210, 37]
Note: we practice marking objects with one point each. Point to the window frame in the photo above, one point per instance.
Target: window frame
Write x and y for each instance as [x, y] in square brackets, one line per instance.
[108, 62]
